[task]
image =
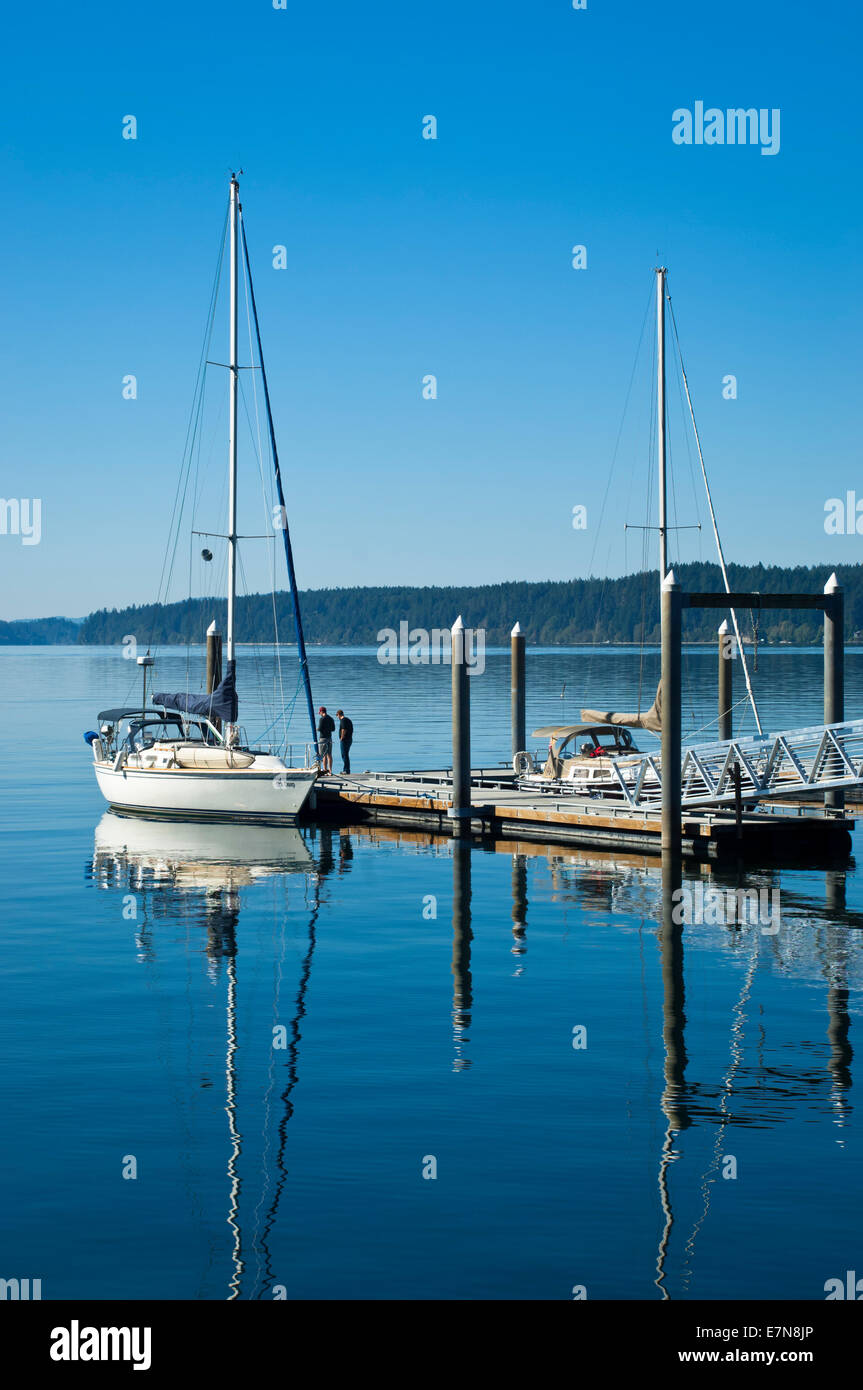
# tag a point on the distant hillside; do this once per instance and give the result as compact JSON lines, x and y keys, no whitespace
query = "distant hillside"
{"x":39,"y":632}
{"x":550,"y":613}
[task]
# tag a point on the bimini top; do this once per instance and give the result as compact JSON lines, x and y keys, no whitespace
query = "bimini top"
{"x":112,"y":716}
{"x":567,"y":730}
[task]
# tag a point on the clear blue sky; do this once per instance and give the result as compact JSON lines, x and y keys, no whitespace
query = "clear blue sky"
{"x":409,"y":257}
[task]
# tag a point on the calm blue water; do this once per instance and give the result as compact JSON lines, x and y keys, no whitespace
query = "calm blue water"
{"x":145,"y":968}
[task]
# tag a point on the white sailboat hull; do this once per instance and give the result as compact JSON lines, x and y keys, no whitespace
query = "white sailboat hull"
{"x":267,"y":791}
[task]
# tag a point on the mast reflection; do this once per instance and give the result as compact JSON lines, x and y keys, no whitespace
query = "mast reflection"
{"x":195,"y":873}
{"x":673,"y":1099}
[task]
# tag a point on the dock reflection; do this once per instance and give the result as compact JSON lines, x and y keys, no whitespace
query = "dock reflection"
{"x":813,"y":939}
{"x":199,"y":877}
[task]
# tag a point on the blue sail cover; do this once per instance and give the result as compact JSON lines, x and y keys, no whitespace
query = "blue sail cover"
{"x":220,"y":704}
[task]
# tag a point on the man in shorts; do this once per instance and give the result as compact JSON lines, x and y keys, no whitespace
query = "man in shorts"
{"x":326,"y":725}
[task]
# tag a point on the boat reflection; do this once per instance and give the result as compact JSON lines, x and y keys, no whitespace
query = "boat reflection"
{"x":197,"y":874}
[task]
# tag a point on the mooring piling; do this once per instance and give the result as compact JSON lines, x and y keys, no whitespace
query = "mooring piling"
{"x":460,"y":808}
{"x":727,"y":652}
{"x":834,"y":668}
{"x":670,"y":626}
{"x":214,"y":657}
{"x":517,"y":650}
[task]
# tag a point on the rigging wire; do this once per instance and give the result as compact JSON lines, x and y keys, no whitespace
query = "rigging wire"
{"x":268,"y":512}
{"x":600,"y":600}
{"x":192,"y":430}
{"x":286,"y":536}
{"x":278,"y":693}
{"x":713,"y":518}
{"x":652,"y":467}
{"x":695,"y":492}
{"x":686,"y":673}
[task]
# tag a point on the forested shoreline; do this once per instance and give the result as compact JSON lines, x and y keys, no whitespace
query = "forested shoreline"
{"x":551,"y":613}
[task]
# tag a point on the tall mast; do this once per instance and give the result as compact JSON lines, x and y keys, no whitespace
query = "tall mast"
{"x":660,"y":415}
{"x":233,"y":365}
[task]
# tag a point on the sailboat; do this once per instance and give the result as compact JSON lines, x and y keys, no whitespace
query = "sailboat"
{"x":602,"y":754}
{"x":184,"y":755}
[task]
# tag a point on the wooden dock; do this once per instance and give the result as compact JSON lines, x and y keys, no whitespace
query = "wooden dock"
{"x":421,"y":799}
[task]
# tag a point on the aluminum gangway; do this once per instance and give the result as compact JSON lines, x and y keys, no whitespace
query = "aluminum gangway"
{"x":791,"y":763}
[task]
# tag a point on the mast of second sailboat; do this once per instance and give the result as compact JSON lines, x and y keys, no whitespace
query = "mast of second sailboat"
{"x":234,"y":370}
{"x":660,"y":417}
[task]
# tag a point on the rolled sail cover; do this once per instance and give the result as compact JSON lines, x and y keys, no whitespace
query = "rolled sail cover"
{"x":221,"y":703}
{"x":651,"y":719}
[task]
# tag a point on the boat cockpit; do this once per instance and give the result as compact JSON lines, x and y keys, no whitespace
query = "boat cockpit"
{"x":137,"y":730}
{"x":572,"y":747}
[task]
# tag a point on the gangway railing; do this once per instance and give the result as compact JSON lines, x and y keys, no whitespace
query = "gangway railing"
{"x":794,"y":761}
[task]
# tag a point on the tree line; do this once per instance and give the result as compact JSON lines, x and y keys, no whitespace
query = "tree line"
{"x":551,"y":613}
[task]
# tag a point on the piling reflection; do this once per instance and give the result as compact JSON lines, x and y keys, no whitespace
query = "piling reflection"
{"x":462,"y":936}
{"x":834,"y":955}
{"x":519,"y":908}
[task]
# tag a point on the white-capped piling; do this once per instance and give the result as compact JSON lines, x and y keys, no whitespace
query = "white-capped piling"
{"x":671,"y":605}
{"x":145,"y":662}
{"x":834,"y":668}
{"x":460,"y":809}
{"x":726,"y":683}
{"x":214,"y":657}
{"x":517,"y":650}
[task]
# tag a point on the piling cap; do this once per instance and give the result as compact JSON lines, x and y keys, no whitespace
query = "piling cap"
{"x":516,"y":632}
{"x":212,"y":629}
{"x":669,"y":582}
{"x":723,"y":628}
{"x":458,"y":625}
{"x":832,"y":586}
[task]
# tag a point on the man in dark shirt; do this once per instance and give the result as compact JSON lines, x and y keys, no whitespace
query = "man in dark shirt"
{"x":346,"y":738}
{"x":326,"y":725}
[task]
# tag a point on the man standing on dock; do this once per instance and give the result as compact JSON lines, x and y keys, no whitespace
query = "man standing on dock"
{"x":326,"y":725}
{"x":346,"y":738}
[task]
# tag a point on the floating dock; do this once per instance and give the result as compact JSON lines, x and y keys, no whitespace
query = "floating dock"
{"x":422,"y":799}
